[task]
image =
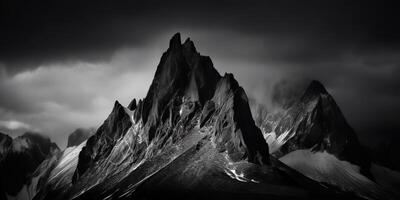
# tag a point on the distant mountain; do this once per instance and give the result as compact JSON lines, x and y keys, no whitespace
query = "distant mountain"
{"x":313,"y":121}
{"x":79,"y":135}
{"x":308,"y":132}
{"x":20,"y":157}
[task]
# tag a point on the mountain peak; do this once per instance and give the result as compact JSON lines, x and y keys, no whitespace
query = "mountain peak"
{"x":188,"y":46}
{"x":132,"y":105}
{"x":175,"y":42}
{"x":315,"y":88}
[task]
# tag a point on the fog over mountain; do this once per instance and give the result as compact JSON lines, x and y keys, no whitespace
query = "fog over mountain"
{"x":62,"y":63}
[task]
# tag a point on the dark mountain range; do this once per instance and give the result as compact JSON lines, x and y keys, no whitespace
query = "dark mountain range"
{"x":193,"y":137}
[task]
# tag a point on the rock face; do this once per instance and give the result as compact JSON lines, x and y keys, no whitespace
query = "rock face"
{"x":313,"y":121}
{"x":186,"y":94}
{"x":79,"y":135}
{"x":20,"y":157}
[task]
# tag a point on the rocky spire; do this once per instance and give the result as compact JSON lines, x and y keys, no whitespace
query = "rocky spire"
{"x":175,"y":42}
{"x":132,"y":105}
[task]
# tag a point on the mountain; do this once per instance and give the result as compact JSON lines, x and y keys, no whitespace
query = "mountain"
{"x":186,"y":92}
{"x":192,"y":125}
{"x":308,"y":132}
{"x":193,"y":136}
{"x":79,"y":135}
{"x":313,"y":121}
{"x":20,"y":157}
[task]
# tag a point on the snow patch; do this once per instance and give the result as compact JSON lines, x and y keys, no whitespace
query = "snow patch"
{"x":232,"y":171}
{"x":275,"y":143}
{"x":68,"y":161}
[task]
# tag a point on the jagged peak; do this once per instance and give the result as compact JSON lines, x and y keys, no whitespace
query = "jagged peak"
{"x":117,"y":105}
{"x":132,"y":105}
{"x":175,"y":42}
{"x":230,"y":79}
{"x":118,"y":111}
{"x":188,"y":45}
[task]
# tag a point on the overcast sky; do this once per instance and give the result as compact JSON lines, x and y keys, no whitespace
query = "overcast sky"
{"x":64,"y":63}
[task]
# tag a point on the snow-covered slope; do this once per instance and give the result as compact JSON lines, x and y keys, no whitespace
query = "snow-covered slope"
{"x":326,"y":168}
{"x":54,"y":173}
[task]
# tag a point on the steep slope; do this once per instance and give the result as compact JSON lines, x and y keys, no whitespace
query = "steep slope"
{"x":55,"y":174}
{"x":20,"y":157}
{"x":326,"y":168}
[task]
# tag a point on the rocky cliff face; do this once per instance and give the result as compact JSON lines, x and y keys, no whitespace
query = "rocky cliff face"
{"x":20,"y":157}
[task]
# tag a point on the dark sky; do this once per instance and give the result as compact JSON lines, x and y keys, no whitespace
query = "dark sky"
{"x":63,"y":63}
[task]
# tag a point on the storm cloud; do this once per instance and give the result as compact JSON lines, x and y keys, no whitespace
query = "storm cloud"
{"x":62,"y":64}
